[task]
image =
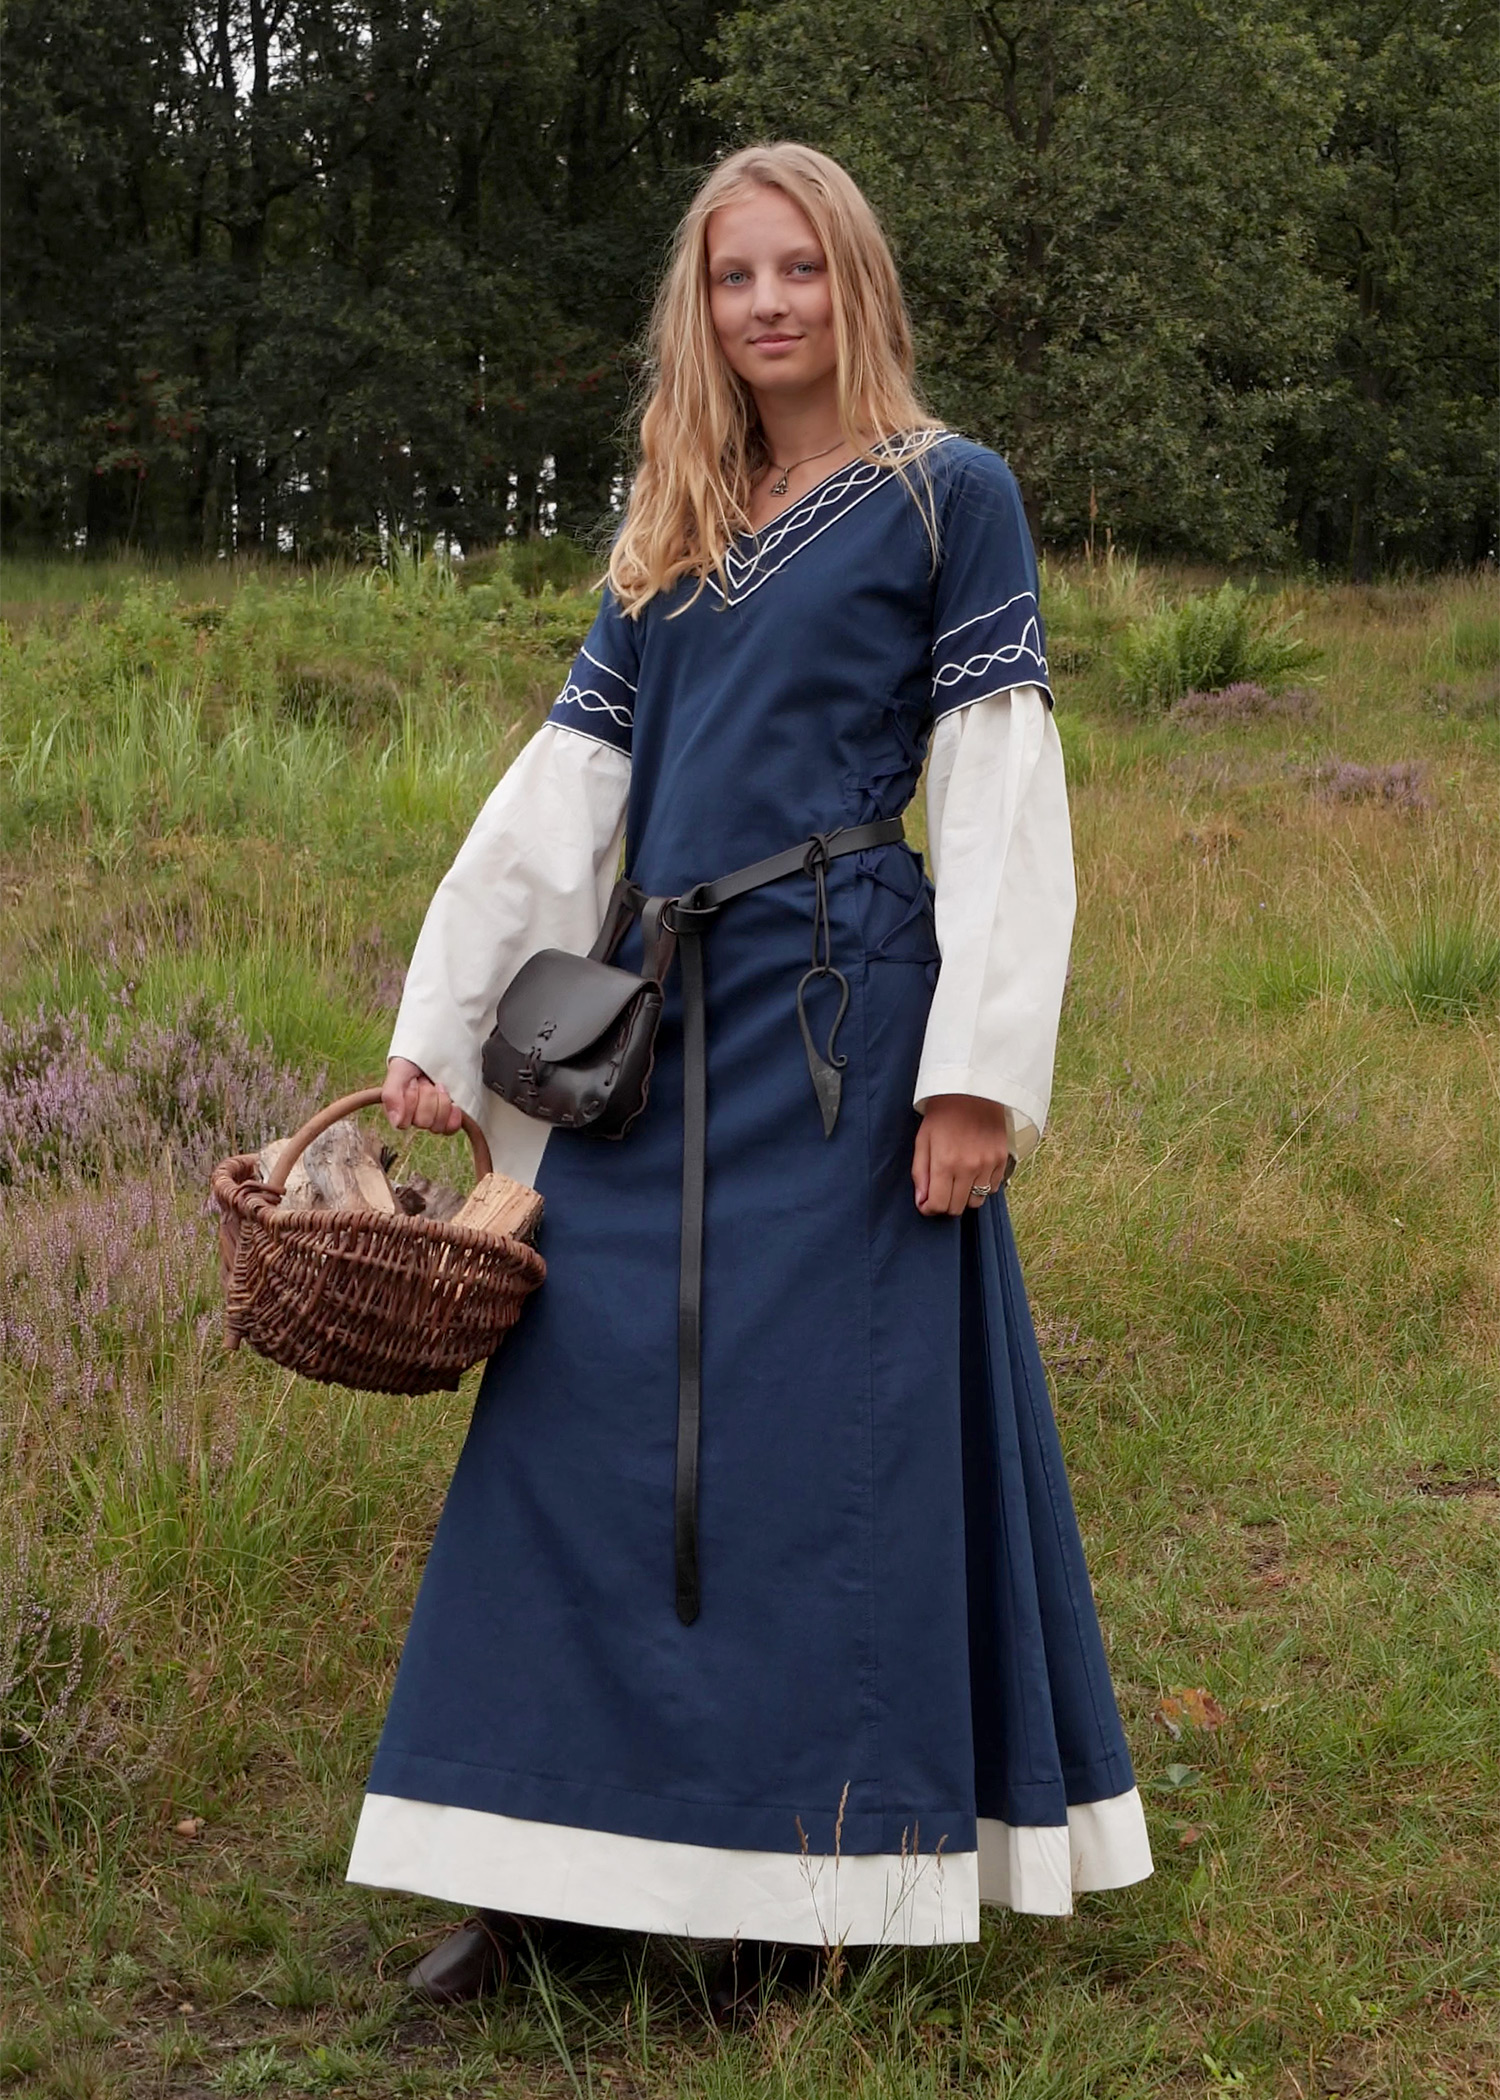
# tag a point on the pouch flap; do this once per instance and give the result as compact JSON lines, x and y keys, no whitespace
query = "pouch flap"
{"x":557,"y":1004}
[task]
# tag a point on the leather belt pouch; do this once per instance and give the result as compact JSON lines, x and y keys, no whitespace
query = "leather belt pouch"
{"x":574,"y":1042}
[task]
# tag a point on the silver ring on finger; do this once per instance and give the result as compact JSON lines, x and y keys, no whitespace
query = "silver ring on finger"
{"x":980,"y":1190}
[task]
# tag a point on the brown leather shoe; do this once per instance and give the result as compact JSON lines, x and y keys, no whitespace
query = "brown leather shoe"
{"x":469,"y":1963}
{"x":751,"y":1970}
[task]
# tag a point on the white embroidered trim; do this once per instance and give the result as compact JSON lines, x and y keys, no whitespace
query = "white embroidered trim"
{"x":592,"y":702}
{"x":993,"y":613}
{"x":1030,"y":645}
{"x":745,"y":573}
{"x":589,"y":700}
{"x":601,"y":665}
{"x":597,"y":1877}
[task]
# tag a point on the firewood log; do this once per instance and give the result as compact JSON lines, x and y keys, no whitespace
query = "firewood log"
{"x":338,"y":1171}
{"x":499,"y":1205}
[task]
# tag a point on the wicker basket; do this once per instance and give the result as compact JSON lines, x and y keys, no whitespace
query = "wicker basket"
{"x":389,"y":1304}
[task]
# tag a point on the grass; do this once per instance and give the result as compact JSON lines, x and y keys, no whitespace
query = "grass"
{"x":1260,"y":1242}
{"x":1447,"y":966}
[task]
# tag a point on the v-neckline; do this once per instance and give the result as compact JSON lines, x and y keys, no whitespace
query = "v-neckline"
{"x":759,"y":531}
{"x":899,"y":442}
{"x":751,"y":558}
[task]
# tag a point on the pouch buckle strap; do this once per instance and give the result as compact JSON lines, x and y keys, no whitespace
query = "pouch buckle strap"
{"x":694,"y":911}
{"x":670,"y":925}
{"x":626,"y":902}
{"x":658,"y":938}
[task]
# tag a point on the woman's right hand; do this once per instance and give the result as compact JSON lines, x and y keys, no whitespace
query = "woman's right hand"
{"x":415,"y":1102}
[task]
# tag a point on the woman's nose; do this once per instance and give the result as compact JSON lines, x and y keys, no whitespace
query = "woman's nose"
{"x":770,"y":297}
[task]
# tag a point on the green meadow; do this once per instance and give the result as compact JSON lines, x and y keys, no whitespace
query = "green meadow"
{"x":1263,"y":1249}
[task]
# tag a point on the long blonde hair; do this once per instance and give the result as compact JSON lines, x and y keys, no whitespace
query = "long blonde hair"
{"x":701,"y":443}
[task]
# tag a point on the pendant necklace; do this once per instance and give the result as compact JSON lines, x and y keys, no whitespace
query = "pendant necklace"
{"x":778,"y":488}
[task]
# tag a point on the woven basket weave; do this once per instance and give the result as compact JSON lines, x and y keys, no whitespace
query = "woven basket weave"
{"x":388,"y":1304}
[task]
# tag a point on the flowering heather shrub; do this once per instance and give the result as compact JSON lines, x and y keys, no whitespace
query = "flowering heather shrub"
{"x":108,"y":1303}
{"x":78,"y":1100}
{"x":61,"y":1107}
{"x":1479,"y":703}
{"x":208,"y":1091}
{"x":58,"y":1661}
{"x":1242,"y":702}
{"x":99,"y":1290}
{"x":105,"y":1293}
{"x":1398,"y":786}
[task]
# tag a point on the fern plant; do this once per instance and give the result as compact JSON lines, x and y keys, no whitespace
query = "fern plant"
{"x":1220,"y":639}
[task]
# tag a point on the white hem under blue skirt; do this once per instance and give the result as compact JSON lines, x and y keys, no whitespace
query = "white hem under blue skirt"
{"x":598,"y":1877}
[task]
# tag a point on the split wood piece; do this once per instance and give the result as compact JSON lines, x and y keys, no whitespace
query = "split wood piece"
{"x":338,"y":1171}
{"x":498,"y":1204}
{"x":372,"y":1185}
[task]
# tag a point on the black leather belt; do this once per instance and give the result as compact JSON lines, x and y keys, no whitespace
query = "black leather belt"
{"x":679,"y":924}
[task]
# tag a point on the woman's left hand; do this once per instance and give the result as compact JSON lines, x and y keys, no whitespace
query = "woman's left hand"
{"x":962,"y":1146}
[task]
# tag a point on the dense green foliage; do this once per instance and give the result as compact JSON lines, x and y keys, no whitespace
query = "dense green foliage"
{"x":1395,"y":457}
{"x":288,"y":274}
{"x":1202,"y":269}
{"x":1103,"y":215}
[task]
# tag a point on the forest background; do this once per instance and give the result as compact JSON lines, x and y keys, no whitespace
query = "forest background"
{"x":313,"y":276}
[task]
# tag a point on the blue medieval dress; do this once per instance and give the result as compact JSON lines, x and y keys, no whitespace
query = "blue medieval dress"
{"x":893,"y":1704}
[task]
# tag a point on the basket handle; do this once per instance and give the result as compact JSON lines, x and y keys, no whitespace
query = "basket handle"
{"x":336,"y":1111}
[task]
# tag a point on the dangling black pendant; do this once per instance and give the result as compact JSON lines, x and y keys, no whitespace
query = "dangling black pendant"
{"x":826,"y":1068}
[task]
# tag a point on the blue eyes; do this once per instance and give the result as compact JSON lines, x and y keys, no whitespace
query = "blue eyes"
{"x":737,"y":277}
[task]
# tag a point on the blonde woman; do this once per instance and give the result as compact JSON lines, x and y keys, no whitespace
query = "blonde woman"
{"x":757,"y":1612}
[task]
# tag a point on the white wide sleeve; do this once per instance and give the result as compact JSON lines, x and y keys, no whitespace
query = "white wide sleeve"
{"x":535,"y":872}
{"x":1002,"y":860}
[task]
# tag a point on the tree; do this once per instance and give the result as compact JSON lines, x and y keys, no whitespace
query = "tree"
{"x":300,"y":275}
{"x":94,"y":402}
{"x":284,"y":274}
{"x":1103,"y":211}
{"x":1394,"y":458}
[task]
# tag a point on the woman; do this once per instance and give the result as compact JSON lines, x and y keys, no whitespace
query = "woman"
{"x":757,"y":1611}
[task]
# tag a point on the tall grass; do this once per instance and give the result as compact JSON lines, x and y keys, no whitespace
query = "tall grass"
{"x":1260,"y":1244}
{"x":1447,"y":966}
{"x":328,"y":714}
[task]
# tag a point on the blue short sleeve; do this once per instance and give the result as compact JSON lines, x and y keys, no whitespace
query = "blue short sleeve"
{"x":987,"y":621}
{"x":598,"y":698}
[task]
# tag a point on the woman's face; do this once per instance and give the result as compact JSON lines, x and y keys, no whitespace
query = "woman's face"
{"x":768,"y":294}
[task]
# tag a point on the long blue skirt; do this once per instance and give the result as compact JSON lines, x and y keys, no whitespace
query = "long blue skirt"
{"x":897,"y":1635}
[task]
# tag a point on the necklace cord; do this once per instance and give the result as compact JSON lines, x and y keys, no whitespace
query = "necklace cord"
{"x":778,"y":487}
